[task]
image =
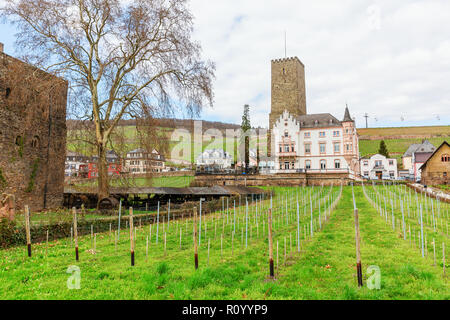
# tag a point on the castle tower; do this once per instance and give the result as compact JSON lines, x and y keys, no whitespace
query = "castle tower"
{"x":288,"y":90}
{"x":351,"y":142}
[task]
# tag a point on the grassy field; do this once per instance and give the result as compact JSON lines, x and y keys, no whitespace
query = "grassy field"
{"x":394,"y":131}
{"x":237,"y":267}
{"x":396,"y":147}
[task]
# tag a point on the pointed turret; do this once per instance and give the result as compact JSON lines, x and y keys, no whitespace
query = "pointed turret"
{"x":347,"y":115}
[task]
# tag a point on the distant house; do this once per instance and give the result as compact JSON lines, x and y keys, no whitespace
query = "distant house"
{"x":73,"y":163}
{"x":415,"y":156}
{"x":140,"y":161}
{"x":252,"y":159}
{"x":379,"y":167}
{"x":90,"y":169}
{"x":214,"y":158}
{"x":436,"y":169}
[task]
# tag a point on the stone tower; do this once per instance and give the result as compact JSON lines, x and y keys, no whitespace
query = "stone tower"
{"x":288,"y":90}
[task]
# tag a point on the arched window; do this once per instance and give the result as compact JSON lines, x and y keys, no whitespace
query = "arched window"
{"x":7,"y":92}
{"x":445,"y":158}
{"x":35,"y":142}
{"x":323,"y":164}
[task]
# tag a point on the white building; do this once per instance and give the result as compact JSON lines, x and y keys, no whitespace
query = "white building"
{"x":139,"y":161}
{"x":316,"y":143}
{"x":73,"y":162}
{"x":215,"y":158}
{"x":379,"y":167}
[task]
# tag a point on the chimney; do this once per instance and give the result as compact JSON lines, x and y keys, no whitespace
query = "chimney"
{"x":1,"y":47}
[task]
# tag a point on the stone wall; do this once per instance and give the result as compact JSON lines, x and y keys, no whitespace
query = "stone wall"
{"x":291,"y":180}
{"x":32,"y":135}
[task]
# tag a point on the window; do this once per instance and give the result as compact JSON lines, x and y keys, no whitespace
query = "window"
{"x":307,"y":134}
{"x":445,"y":174}
{"x":349,"y":146}
{"x":308,"y":164}
{"x":322,"y":147}
{"x":322,"y":134}
{"x":307,"y":148}
{"x":337,"y":147}
{"x":366,"y":173}
{"x":337,"y":164}
{"x":378,"y":163}
{"x":286,"y":165}
{"x":281,"y":148}
{"x":323,"y":164}
{"x":286,"y":148}
{"x":35,"y":143}
{"x":292,"y":148}
{"x":391,"y":162}
{"x":445,"y":158}
{"x":7,"y":93}
{"x":392,"y":174}
{"x":286,"y":134}
{"x":346,"y":130}
{"x":336,"y":133}
{"x":281,"y":166}
{"x":366,"y":163}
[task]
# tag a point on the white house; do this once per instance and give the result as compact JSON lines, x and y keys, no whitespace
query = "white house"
{"x":379,"y":167}
{"x":215,"y":158}
{"x":316,"y":142}
{"x":73,"y":162}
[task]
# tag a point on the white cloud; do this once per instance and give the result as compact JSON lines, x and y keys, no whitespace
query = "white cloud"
{"x":386,"y":58}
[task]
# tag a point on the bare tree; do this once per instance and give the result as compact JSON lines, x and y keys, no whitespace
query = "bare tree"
{"x":123,"y":59}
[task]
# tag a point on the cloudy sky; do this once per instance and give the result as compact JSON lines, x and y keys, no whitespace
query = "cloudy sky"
{"x":390,"y":59}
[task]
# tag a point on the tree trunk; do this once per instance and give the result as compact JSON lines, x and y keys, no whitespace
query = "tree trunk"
{"x":247,"y":153}
{"x":102,"y":165}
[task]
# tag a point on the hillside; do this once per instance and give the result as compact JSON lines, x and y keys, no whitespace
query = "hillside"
{"x":397,"y":139}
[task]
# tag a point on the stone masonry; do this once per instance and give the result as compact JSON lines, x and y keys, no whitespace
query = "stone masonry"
{"x":32,"y":136}
{"x":288,"y":90}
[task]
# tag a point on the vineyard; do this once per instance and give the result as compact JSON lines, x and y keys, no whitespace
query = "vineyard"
{"x":402,"y":234}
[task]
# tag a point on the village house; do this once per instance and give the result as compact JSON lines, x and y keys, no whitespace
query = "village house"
{"x":140,"y":161}
{"x":73,"y":163}
{"x":90,"y":169}
{"x":379,"y":167}
{"x":436,"y":169}
{"x":415,"y":157}
{"x":214,"y":158}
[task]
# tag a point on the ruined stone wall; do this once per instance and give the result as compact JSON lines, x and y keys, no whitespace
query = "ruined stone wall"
{"x":32,"y":136}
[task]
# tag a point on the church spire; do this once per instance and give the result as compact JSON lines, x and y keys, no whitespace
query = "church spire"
{"x":347,"y":115}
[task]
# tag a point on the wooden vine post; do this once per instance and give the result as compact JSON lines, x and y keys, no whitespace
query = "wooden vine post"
{"x":271,"y":269}
{"x":358,"y":242}
{"x":131,"y":236}
{"x":27,"y":227}
{"x":195,"y":239}
{"x":75,"y":233}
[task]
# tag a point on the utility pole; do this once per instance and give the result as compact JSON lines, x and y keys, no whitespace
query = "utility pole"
{"x":366,"y":116}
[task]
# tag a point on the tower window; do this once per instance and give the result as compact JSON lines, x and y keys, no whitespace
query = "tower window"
{"x":7,"y":93}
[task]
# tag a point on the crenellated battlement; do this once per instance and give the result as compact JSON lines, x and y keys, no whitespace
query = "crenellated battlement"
{"x":282,"y":60}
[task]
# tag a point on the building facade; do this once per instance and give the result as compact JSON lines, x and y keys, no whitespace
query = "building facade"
{"x":307,"y":142}
{"x":409,"y":158}
{"x":379,"y":167}
{"x":75,"y":161}
{"x":32,"y":134}
{"x":315,"y":143}
{"x":215,"y":159}
{"x":140,"y":161}
{"x":90,"y":169}
{"x":436,"y":170}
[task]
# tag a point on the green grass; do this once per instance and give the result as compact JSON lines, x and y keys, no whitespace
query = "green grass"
{"x":324,"y":269}
{"x":396,"y":147}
